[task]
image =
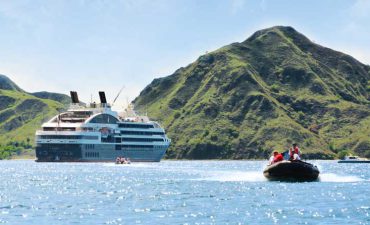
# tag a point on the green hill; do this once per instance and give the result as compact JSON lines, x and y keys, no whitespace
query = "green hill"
{"x":22,"y":113}
{"x":275,"y":88}
{"x":7,"y":84}
{"x":62,"y":98}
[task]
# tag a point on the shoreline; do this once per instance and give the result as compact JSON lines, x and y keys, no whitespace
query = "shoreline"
{"x":166,"y":160}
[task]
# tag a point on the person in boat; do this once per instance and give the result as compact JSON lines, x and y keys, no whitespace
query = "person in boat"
{"x":128,"y":160}
{"x":276,"y":157}
{"x":124,"y":161}
{"x":118,"y":160}
{"x":294,"y":152}
{"x":271,"y":159}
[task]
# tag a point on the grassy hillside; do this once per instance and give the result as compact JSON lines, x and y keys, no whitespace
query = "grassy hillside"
{"x":21,"y":114}
{"x":248,"y":98}
{"x":64,"y":99}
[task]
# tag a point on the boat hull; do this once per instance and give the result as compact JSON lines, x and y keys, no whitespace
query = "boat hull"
{"x":295,"y":171}
{"x":100,"y":153}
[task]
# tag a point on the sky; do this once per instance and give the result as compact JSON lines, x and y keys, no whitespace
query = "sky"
{"x":104,"y":45}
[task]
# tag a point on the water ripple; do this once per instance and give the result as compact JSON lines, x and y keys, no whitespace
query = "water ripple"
{"x":179,"y":192}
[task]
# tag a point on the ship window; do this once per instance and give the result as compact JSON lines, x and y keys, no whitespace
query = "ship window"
{"x":92,"y":154}
{"x":118,"y":147}
{"x":59,"y":136}
{"x":108,"y":139}
{"x":49,"y":128}
{"x":104,"y":118}
{"x":135,"y":125}
{"x":127,"y":132}
{"x":137,"y":146}
{"x":59,"y":147}
{"x":90,"y":137}
{"x":88,"y":129}
{"x":72,"y":117}
{"x":89,"y":146}
{"x":142,"y":139}
{"x":61,"y":129}
{"x":67,"y":137}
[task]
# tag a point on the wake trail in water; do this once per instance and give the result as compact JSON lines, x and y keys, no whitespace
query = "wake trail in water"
{"x":249,"y":176}
{"x":237,"y":176}
{"x":140,"y":165}
{"x":257,"y":176}
{"x":332,"y":177}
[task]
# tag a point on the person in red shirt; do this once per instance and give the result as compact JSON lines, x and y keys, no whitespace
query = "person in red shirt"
{"x":277,"y":157}
{"x":295,"y":152}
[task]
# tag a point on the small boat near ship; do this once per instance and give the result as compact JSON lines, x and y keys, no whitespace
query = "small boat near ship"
{"x":292,"y":170}
{"x":353,"y":159}
{"x":122,"y":160}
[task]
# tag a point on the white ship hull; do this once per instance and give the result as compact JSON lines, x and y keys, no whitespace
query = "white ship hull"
{"x":96,"y":133}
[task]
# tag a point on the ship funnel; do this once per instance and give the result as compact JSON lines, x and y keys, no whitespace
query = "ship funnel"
{"x":74,"y":97}
{"x":102,"y":97}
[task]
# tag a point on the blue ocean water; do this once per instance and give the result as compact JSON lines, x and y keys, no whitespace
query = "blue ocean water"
{"x":179,"y":192}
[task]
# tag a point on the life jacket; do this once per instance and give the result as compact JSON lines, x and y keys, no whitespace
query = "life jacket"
{"x":293,"y":151}
{"x":278,"y":158}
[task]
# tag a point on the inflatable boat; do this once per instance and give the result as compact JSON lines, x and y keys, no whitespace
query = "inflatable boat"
{"x":295,"y":171}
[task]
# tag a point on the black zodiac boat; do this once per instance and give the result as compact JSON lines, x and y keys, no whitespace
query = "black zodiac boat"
{"x":295,"y":171}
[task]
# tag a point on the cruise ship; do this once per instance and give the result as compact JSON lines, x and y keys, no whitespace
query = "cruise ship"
{"x":96,"y":133}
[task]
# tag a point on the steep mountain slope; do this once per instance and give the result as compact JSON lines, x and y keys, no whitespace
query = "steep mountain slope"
{"x":7,"y":84}
{"x":275,"y":88}
{"x":62,"y":98}
{"x":22,"y":113}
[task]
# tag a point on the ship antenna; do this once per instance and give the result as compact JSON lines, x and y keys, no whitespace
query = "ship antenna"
{"x":118,"y":94}
{"x":127,"y":101}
